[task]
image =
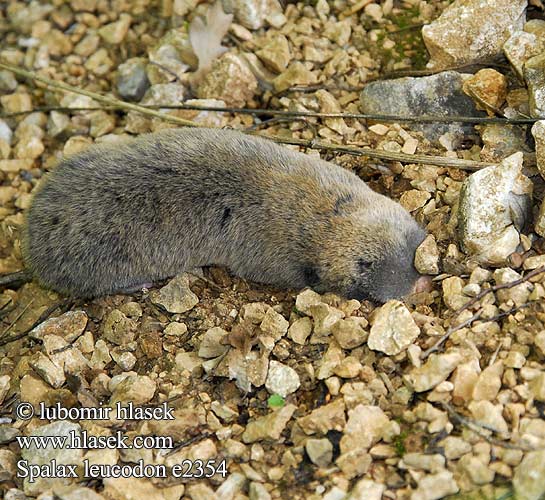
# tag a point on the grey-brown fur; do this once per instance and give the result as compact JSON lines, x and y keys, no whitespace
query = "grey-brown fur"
{"x":117,"y":216}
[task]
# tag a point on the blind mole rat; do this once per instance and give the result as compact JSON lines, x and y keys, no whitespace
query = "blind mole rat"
{"x":116,"y":216}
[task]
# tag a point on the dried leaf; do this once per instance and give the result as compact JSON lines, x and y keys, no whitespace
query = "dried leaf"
{"x":205,"y":36}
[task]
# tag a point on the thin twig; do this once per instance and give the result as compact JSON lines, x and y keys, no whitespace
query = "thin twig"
{"x":478,"y":427}
{"x":383,"y":155}
{"x":495,"y":288}
{"x":19,"y":316}
{"x":357,"y":151}
{"x":468,"y":322}
{"x":294,"y":114}
{"x":446,"y":336}
{"x":97,"y":97}
{"x":41,"y":319}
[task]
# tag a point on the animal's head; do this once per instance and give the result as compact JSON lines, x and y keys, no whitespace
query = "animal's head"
{"x":369,"y":253}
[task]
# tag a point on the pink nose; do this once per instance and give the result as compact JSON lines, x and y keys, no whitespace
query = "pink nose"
{"x":422,"y":284}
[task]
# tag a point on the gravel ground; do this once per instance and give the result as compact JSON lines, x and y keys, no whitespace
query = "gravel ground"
{"x":302,"y":395}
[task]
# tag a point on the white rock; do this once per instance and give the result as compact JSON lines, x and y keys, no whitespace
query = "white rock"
{"x":426,"y":259}
{"x":529,"y":477}
{"x":494,"y":202}
{"x":436,"y":370}
{"x":393,"y":329}
{"x":472,"y":30}
{"x":435,"y":486}
{"x":281,"y":379}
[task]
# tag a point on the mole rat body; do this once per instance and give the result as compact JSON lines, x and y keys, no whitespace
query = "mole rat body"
{"x":117,"y":216}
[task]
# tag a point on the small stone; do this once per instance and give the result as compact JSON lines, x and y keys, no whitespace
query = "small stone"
{"x":211,"y":346}
{"x":487,"y":413}
{"x":132,"y":81}
{"x":434,"y":371}
{"x":426,"y":259}
{"x":16,"y":103}
{"x":452,"y":293}
{"x":435,"y":486}
{"x":479,"y":472}
{"x":535,"y":79}
{"x":254,"y":312}
{"x":520,"y":47}
{"x":57,"y":123}
{"x":99,"y":62}
{"x":29,"y":147}
{"x":15,"y":166}
{"x":119,"y":329}
{"x":176,"y":296}
{"x":537,"y":387}
{"x":69,"y":326}
{"x":232,"y":487}
{"x":8,"y":82}
{"x":324,"y":317}
{"x":125,"y":360}
{"x":102,"y":123}
{"x":101,"y":355}
{"x":454,"y":447}
{"x":230,"y":80}
{"x":324,"y":418}
{"x":320,"y":451}
{"x":489,"y":382}
{"x":365,"y":426}
{"x":365,"y":489}
{"x":350,"y":332}
{"x":534,"y":262}
{"x":349,"y":367}
{"x":518,"y":294}
{"x":332,"y":357}
{"x":393,"y":329}
{"x":274,"y":324}
{"x":300,"y":330}
{"x":4,"y":386}
{"x":432,"y":463}
{"x":87,"y":46}
{"x":540,"y":220}
{"x":488,"y":88}
{"x":471,"y":290}
{"x":413,"y":199}
{"x":114,"y":33}
{"x":257,"y":491}
{"x":329,"y":104}
{"x":281,"y":379}
{"x":138,"y":389}
{"x":529,"y":476}
{"x":49,"y":371}
{"x":515,"y":360}
{"x":76,"y":493}
{"x":251,"y":13}
{"x":494,"y":202}
{"x":188,"y":361}
{"x":295,"y":74}
{"x":472,"y":30}
{"x":268,"y":427}
{"x":5,"y":133}
{"x":339,"y":32}
{"x":275,"y":54}
{"x":138,"y":488}
{"x":71,"y":360}
{"x":306,"y":299}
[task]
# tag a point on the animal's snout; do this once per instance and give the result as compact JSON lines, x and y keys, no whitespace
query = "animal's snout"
{"x":422,"y":284}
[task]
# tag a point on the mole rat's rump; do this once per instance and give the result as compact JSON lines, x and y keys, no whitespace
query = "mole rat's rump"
{"x":117,"y":216}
